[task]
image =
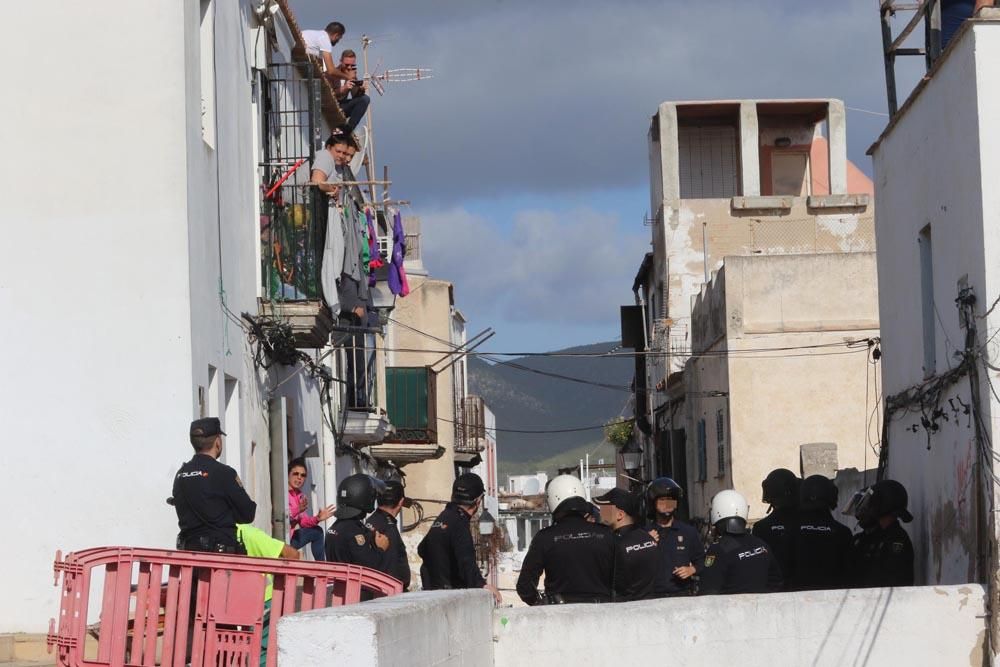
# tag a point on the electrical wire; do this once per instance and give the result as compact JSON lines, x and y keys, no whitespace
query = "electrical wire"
{"x":539,"y":431}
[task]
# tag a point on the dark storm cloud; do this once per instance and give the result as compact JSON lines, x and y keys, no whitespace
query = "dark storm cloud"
{"x":556,"y":96}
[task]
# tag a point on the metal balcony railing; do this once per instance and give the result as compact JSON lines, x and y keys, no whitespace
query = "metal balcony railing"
{"x":471,"y":429}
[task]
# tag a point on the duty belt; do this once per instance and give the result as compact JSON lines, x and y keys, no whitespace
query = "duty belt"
{"x":564,"y":598}
{"x":209,"y":545}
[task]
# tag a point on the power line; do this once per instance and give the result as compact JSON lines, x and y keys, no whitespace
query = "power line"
{"x":540,"y":431}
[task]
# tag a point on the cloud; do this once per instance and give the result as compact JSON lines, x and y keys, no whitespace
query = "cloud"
{"x":556,"y":96}
{"x":569,"y":267}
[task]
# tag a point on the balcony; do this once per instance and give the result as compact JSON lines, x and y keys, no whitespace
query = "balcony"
{"x":293,"y":216}
{"x":411,"y":395}
{"x":470,"y":431}
{"x":366,"y":422}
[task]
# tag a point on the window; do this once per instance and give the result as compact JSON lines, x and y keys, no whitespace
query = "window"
{"x":927,"y":300}
{"x":790,"y":174}
{"x":720,"y":440}
{"x":708,"y":161}
{"x":233,"y":421}
{"x":702,"y":453}
{"x":206,"y":56}
{"x":411,"y":395}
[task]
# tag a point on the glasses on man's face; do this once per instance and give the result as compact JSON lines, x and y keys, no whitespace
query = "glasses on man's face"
{"x":350,"y":66}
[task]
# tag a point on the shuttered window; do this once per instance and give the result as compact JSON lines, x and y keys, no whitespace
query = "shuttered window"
{"x":411,"y":398}
{"x":709,"y":161}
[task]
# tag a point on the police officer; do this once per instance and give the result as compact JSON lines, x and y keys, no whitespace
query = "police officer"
{"x":390,"y":503}
{"x":738,"y":562}
{"x":882,"y":554}
{"x":681,"y":552}
{"x":208,"y":496}
{"x":575,"y":554}
{"x":637,"y":560}
{"x":447,"y":549}
{"x":779,"y":527}
{"x":350,"y":540}
{"x":821,"y":543}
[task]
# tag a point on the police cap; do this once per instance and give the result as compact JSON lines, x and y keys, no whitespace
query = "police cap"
{"x":207,"y":426}
{"x":393,"y":493}
{"x":622,"y":499}
{"x":467,"y":489}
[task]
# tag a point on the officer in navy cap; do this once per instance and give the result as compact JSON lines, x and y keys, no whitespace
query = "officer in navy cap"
{"x":391,"y":502}
{"x":208,"y":496}
{"x":447,"y":549}
{"x":637,"y":560}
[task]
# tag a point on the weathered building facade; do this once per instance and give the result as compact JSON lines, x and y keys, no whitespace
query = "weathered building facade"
{"x":937,"y":168}
{"x":744,"y":178}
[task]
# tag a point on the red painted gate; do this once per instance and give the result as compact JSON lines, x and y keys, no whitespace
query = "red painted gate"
{"x":174,"y":608}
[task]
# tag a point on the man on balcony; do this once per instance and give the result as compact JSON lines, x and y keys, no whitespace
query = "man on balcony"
{"x":351,"y":92}
{"x":319,"y":45}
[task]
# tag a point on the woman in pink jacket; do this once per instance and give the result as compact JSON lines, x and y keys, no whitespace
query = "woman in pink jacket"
{"x":306,"y":529}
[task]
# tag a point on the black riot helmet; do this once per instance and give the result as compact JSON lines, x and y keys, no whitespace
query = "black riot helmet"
{"x":781,"y":488}
{"x":662,"y":487}
{"x":467,"y":489}
{"x":356,"y":496}
{"x":890,"y":497}
{"x":818,"y":493}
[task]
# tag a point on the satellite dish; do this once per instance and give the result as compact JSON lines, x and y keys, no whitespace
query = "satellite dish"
{"x":361,"y":135}
{"x":532,"y":487}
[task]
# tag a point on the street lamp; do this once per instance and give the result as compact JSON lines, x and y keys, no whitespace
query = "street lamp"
{"x":486,"y":523}
{"x":631,"y":456}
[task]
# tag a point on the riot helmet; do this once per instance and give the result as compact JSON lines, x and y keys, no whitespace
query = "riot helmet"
{"x":730,"y":512}
{"x":564,"y":488}
{"x":781,"y":488}
{"x":356,"y":496}
{"x":818,"y":493}
{"x":662,"y":487}
{"x":889,"y":497}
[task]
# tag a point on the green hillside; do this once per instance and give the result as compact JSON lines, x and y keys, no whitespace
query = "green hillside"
{"x":525,"y":395}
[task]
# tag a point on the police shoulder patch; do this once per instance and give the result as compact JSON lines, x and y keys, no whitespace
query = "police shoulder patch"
{"x":360,"y":539}
{"x":709,"y":561}
{"x":897,"y":547}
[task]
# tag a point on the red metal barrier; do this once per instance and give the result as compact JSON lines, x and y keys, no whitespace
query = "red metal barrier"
{"x":174,"y":608}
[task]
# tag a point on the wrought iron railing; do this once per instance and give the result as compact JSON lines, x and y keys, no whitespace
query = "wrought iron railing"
{"x":472,"y":425}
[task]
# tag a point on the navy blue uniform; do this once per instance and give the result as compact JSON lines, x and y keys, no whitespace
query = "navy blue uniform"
{"x":449,"y":554}
{"x":679,"y":545}
{"x":821,"y":547}
{"x":637,"y":564}
{"x":210,"y":501}
{"x":385,"y":523}
{"x":740,"y":564}
{"x":352,"y":541}
{"x":881,"y":558}
{"x":577,"y":557}
{"x":779,"y":529}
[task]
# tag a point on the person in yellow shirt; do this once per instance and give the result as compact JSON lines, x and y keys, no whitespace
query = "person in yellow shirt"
{"x":261,"y":545}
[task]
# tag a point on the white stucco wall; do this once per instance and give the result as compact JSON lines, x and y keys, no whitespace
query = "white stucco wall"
{"x":115,"y":255}
{"x":870,"y":627}
{"x":938,"y":165}
{"x":860,"y":627}
{"x":452,"y":628}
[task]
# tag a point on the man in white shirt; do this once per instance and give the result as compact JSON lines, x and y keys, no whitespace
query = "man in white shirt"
{"x":320,"y":43}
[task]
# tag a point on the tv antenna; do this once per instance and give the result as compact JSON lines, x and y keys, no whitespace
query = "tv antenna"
{"x":379,"y":81}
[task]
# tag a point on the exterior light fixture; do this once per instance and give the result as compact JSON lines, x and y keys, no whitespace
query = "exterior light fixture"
{"x":632,"y":456}
{"x":486,"y":523}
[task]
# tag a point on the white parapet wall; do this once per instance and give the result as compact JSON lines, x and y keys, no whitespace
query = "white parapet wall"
{"x":939,"y":625}
{"x":452,"y":628}
{"x":932,"y":625}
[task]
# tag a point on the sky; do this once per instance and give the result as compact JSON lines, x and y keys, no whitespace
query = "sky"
{"x":525,"y":155}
